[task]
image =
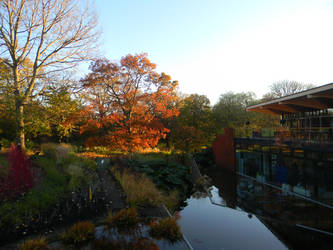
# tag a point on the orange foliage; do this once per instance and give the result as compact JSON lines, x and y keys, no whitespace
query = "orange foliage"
{"x":127,"y":102}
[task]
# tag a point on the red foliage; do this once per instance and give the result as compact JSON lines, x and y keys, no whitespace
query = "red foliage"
{"x":20,"y":178}
{"x":127,"y":102}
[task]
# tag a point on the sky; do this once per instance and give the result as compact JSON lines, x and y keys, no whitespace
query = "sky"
{"x":215,"y":46}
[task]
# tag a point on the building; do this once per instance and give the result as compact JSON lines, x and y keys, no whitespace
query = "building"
{"x":297,"y":157}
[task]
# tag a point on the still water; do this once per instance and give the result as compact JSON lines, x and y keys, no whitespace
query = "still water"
{"x":239,"y":212}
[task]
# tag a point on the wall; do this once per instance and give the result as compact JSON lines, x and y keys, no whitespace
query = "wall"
{"x":224,"y":150}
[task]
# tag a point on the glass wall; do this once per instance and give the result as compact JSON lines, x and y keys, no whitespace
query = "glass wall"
{"x":308,"y":174}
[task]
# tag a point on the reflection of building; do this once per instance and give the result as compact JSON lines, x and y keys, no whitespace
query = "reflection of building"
{"x":298,"y":156}
{"x":298,"y":223}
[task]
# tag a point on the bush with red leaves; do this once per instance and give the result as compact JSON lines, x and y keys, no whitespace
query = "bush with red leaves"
{"x":20,"y":178}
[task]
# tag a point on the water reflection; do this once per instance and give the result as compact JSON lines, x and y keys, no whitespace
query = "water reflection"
{"x":245,"y":214}
{"x":209,"y":226}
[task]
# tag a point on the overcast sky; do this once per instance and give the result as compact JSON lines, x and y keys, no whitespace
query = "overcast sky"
{"x":215,"y":46}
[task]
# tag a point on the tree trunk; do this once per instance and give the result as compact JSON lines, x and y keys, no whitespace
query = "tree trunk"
{"x":20,"y":140}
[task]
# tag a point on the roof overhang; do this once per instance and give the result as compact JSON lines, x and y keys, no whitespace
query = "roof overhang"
{"x":309,"y":100}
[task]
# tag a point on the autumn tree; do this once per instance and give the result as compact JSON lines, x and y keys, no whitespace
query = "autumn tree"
{"x":38,"y":37}
{"x":126,"y":102}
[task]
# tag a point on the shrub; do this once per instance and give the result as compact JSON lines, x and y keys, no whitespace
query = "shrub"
{"x":49,"y":150}
{"x":167,"y":175}
{"x":79,"y":233}
{"x":5,"y":143}
{"x":36,"y":244}
{"x":19,"y":178}
{"x":166,"y":228}
{"x":124,"y":220}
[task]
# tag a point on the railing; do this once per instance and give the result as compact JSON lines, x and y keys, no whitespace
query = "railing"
{"x":323,"y":135}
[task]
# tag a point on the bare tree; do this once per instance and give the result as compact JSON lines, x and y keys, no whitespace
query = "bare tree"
{"x":38,"y":37}
{"x":286,"y":87}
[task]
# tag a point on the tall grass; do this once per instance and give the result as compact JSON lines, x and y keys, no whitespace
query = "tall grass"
{"x":79,"y":233}
{"x":141,"y":191}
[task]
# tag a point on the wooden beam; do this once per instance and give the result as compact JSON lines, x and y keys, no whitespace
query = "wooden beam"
{"x":312,"y":103}
{"x":283,"y":108}
{"x":265,"y":111}
{"x":327,"y":95}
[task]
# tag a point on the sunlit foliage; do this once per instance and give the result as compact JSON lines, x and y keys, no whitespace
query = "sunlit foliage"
{"x":126,"y":101}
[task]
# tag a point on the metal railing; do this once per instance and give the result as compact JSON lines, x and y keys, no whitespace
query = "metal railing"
{"x":322,"y":135}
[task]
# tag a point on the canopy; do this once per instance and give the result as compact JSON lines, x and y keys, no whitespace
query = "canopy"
{"x":309,"y":100}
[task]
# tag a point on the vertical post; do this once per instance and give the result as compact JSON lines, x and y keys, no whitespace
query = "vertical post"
{"x":224,"y":150}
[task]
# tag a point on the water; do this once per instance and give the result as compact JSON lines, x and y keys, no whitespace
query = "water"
{"x":241,"y":213}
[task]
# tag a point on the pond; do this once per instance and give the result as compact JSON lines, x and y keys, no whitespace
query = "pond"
{"x":241,"y":213}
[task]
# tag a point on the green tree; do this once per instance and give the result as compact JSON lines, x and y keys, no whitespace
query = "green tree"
{"x":62,"y":112}
{"x":194,"y":128}
{"x":230,"y":112}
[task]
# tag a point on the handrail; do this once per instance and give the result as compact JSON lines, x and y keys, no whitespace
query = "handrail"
{"x":322,"y":134}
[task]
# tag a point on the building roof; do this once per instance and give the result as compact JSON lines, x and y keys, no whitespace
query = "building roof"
{"x":309,"y":100}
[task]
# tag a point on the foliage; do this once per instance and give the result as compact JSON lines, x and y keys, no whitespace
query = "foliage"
{"x":36,"y":121}
{"x":79,"y":233}
{"x":230,"y":110}
{"x":205,"y":158}
{"x":62,"y":111}
{"x":124,"y":220}
{"x":5,"y":143}
{"x":127,"y":102}
{"x":166,"y":228}
{"x":35,"y":244}
{"x":187,"y":139}
{"x":19,"y":178}
{"x":139,"y":189}
{"x":194,"y":128}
